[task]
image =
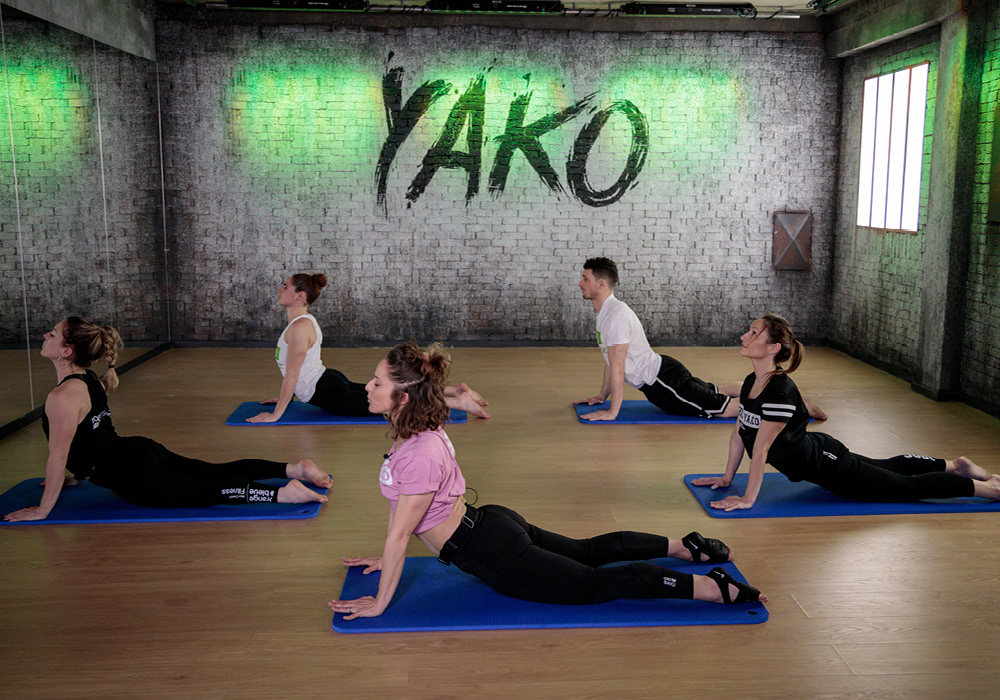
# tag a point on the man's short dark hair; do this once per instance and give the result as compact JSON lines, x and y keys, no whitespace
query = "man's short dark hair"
{"x":603,"y":268}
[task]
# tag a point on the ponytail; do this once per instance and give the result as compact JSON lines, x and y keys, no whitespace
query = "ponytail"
{"x":779,"y":330}
{"x":90,"y":343}
{"x":420,"y":375}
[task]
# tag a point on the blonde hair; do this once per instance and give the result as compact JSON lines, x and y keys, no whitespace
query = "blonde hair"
{"x":90,"y":343}
{"x":420,"y":375}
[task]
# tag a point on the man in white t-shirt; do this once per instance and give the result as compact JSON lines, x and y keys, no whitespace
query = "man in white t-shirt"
{"x":629,"y":359}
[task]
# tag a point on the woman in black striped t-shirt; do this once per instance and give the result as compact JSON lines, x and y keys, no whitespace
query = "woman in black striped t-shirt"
{"x":772,"y":430}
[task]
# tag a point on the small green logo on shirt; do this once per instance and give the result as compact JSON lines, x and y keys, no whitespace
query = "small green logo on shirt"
{"x":598,"y":337}
{"x":277,"y":353}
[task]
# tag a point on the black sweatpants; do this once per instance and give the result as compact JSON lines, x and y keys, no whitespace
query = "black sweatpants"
{"x":899,"y":479}
{"x":337,"y":394}
{"x":523,"y":561}
{"x":146,"y":473}
{"x":678,"y":393}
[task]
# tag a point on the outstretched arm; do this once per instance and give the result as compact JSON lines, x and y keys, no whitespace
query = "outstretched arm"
{"x":409,"y":512}
{"x":65,"y":406}
{"x":614,"y":383}
{"x":298,"y":338}
{"x":768,"y":432}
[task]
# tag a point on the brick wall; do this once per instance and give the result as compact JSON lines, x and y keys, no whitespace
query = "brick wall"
{"x":878,"y":275}
{"x":273,"y":137}
{"x":73,"y":262}
{"x":980,"y":376}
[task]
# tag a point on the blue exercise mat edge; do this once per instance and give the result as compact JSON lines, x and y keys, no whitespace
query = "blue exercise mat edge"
{"x":302,"y":413}
{"x":432,"y":597}
{"x":90,"y":502}
{"x":781,"y":498}
{"x":640,"y":412}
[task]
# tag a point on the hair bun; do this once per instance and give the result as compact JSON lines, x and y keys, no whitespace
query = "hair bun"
{"x":319,"y":279}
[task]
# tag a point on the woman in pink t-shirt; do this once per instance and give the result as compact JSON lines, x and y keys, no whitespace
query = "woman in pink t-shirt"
{"x":425,"y":488}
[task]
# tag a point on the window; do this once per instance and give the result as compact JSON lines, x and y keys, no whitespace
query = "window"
{"x":892,"y":149}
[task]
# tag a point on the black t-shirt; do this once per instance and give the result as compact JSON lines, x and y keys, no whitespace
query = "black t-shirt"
{"x":794,"y":453}
{"x":94,"y":434}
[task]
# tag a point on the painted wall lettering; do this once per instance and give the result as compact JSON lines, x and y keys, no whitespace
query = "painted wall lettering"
{"x":576,"y":166}
{"x":468,"y":114}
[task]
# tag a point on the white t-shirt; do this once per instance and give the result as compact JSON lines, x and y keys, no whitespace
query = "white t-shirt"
{"x":312,"y":367}
{"x":617,"y":324}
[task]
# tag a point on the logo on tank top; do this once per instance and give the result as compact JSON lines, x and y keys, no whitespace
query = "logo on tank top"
{"x":598,"y":337}
{"x":750,"y":420}
{"x":384,"y":475}
{"x":96,"y":420}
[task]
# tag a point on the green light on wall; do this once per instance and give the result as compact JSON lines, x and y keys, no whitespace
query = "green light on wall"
{"x":304,"y":118}
{"x":49,"y":108}
{"x":693,"y":113}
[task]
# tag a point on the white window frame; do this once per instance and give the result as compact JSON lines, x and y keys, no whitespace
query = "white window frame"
{"x":892,"y":149}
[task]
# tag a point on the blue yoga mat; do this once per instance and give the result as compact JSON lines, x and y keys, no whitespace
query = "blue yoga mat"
{"x":86,"y":503}
{"x":781,"y":498}
{"x":432,"y":597}
{"x":302,"y":413}
{"x":641,"y":413}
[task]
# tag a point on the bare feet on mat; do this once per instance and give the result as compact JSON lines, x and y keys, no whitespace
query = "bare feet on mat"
{"x":464,"y":388}
{"x":989,"y":489}
{"x":963,"y":466}
{"x":307,"y":470}
{"x":814,"y":410}
{"x":297,"y":492}
{"x":465,"y":402}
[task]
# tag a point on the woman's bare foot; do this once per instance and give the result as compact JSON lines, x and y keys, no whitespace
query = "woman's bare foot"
{"x":464,"y":388}
{"x":297,"y":492}
{"x":307,"y":470}
{"x":989,"y":489}
{"x":963,"y":466}
{"x":465,"y":402}
{"x":814,"y":410}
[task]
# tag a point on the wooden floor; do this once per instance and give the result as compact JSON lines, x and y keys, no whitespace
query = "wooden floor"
{"x":861,"y":607}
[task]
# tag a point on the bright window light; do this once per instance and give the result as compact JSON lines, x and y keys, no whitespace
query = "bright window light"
{"x":892,"y":146}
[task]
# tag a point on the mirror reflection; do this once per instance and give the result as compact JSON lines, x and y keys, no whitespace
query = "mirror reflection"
{"x":80,"y":200}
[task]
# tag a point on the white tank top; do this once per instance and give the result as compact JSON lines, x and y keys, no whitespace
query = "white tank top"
{"x":312,"y":367}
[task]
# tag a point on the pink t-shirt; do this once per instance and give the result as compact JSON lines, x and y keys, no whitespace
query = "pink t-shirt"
{"x":423,"y":463}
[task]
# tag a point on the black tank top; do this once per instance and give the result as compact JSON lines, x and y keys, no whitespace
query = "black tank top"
{"x":94,"y":434}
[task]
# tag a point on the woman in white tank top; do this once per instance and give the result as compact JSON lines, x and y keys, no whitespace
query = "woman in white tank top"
{"x":298,"y":358}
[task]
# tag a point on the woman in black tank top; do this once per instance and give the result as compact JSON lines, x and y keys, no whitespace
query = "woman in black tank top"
{"x":82,"y":439}
{"x":772,"y":429}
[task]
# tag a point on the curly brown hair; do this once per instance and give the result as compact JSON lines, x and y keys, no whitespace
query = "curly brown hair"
{"x":420,"y":375}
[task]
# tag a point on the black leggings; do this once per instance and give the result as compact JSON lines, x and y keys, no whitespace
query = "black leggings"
{"x":337,"y":394}
{"x":900,"y":479}
{"x":146,"y":473}
{"x":523,"y":561}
